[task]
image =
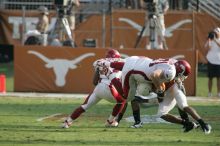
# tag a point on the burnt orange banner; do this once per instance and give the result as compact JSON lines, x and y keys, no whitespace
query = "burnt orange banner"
{"x":184,"y":30}
{"x":128,"y":26}
{"x":70,"y":70}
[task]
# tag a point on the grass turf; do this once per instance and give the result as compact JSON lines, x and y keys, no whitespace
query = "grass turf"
{"x":19,"y":125}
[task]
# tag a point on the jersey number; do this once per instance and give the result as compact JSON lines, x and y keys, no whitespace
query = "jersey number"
{"x":158,"y":61}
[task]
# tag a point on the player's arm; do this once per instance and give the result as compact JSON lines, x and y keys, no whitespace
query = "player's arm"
{"x":117,"y":84}
{"x":96,"y":77}
{"x":117,"y":65}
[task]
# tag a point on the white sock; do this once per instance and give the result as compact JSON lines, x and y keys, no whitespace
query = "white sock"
{"x":69,"y":119}
{"x":111,"y":118}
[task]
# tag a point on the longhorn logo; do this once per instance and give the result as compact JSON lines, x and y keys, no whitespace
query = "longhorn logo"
{"x":61,"y":66}
{"x":168,"y":32}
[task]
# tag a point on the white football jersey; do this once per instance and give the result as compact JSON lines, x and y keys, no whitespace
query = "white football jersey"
{"x":137,"y":66}
{"x":146,"y":66}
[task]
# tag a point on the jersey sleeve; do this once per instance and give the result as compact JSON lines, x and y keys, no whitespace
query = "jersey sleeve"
{"x":117,"y":65}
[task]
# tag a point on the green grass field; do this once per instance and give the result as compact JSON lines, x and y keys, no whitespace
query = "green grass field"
{"x":19,"y":125}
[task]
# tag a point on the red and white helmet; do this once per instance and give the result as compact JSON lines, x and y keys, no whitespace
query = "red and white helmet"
{"x":183,"y":68}
{"x":112,"y":53}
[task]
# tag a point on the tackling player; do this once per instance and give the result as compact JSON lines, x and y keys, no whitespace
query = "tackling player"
{"x":142,"y":70}
{"x":157,"y":72}
{"x":108,"y":87}
{"x":175,"y":94}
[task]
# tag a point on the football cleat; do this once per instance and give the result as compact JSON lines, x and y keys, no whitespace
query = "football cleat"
{"x":111,"y":123}
{"x":66,"y":124}
{"x":137,"y":125}
{"x":206,"y":128}
{"x":188,"y":126}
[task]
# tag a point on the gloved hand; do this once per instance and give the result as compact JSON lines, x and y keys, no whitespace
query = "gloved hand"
{"x":160,"y":93}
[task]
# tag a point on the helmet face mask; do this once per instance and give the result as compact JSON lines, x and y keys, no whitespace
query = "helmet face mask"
{"x":112,"y":53}
{"x":180,"y":77}
{"x":183,"y":69}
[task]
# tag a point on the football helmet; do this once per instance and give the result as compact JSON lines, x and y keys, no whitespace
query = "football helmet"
{"x":183,"y":68}
{"x":112,"y":53}
{"x":169,"y":73}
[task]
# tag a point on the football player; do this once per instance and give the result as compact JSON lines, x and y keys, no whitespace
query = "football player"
{"x":157,"y":72}
{"x":108,"y":87}
{"x":138,"y":71}
{"x":142,"y":70}
{"x":175,"y":94}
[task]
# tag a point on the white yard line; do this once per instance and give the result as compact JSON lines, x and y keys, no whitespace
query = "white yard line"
{"x":47,"y":117}
{"x":196,"y":98}
{"x":38,"y":95}
{"x":147,"y":119}
{"x":78,"y":95}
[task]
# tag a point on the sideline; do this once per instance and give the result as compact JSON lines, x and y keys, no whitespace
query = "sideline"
{"x":42,"y":95}
{"x":78,"y":95}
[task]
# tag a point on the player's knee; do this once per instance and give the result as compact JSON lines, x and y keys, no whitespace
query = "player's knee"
{"x":84,"y":107}
{"x":188,"y":109}
{"x":161,"y":114}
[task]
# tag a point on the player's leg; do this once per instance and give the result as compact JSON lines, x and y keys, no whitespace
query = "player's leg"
{"x":143,"y":89}
{"x":210,"y":75}
{"x":210,"y":86}
{"x":182,"y":113}
{"x":166,"y":105}
{"x":182,"y":104}
{"x":135,"y":105}
{"x":130,"y":88}
{"x":118,"y":85}
{"x":117,"y":114}
{"x":184,"y":120}
{"x":90,"y":101}
{"x":121,"y":114}
{"x":218,"y":86}
{"x":119,"y":106}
